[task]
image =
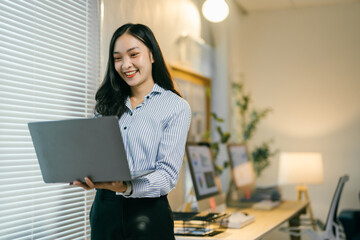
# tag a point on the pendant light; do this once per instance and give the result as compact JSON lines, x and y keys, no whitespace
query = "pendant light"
{"x":215,"y":10}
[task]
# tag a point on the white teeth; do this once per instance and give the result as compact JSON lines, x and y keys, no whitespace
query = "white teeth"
{"x":130,"y":73}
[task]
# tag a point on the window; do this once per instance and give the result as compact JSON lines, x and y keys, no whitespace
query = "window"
{"x":49,"y":60}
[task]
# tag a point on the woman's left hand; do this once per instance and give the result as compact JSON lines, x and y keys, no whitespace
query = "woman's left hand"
{"x":118,"y":186}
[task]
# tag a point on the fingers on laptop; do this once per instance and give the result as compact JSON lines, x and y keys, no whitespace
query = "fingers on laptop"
{"x":87,"y":185}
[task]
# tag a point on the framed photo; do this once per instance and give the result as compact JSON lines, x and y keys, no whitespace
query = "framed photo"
{"x":196,"y":90}
{"x":241,"y":167}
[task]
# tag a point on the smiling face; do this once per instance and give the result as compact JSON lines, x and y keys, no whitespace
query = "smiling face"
{"x":133,"y":61}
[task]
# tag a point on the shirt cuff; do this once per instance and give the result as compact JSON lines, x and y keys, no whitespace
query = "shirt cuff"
{"x":128,"y":191}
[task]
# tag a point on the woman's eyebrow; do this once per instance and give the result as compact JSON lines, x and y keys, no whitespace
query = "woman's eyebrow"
{"x":129,"y":50}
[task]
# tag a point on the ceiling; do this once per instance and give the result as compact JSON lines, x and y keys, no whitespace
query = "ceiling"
{"x":268,"y":5}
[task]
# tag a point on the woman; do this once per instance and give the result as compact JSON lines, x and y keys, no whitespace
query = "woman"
{"x":154,"y":121}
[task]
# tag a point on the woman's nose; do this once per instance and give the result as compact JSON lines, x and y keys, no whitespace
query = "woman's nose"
{"x":126,"y":62}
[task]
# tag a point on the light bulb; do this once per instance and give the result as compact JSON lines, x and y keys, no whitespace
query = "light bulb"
{"x":215,"y":10}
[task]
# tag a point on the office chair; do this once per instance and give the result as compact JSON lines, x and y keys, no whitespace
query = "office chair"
{"x":332,"y":230}
{"x":350,"y":219}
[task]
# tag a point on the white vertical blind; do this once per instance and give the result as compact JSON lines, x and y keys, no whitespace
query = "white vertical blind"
{"x":49,"y":60}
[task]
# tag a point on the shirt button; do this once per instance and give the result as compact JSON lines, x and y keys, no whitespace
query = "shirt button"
{"x":147,"y":97}
{"x":131,"y":114}
{"x":125,"y":128}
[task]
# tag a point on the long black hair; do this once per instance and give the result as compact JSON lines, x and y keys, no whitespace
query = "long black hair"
{"x":113,"y":92}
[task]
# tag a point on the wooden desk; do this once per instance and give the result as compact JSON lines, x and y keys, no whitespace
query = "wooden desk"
{"x":265,"y":222}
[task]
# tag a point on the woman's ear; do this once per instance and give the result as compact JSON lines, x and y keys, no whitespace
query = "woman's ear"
{"x":151,"y":58}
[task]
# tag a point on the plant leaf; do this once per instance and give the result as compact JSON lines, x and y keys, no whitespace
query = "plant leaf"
{"x":225,"y":137}
{"x":216,"y":118}
{"x":207,"y":136}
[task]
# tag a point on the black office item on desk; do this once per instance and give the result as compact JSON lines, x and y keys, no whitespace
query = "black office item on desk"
{"x":199,"y":216}
{"x":183,"y":216}
{"x":263,"y":193}
{"x":256,"y":195}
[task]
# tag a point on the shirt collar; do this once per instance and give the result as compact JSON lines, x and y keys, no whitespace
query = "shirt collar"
{"x":155,"y":90}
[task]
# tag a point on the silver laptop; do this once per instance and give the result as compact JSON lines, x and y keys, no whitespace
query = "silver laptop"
{"x":69,"y":150}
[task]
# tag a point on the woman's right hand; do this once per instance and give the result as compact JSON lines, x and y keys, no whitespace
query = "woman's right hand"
{"x":87,"y":185}
{"x":112,"y":186}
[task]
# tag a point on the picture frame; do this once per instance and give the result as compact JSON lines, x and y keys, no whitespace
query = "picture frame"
{"x":196,"y":90}
{"x":242,"y":169}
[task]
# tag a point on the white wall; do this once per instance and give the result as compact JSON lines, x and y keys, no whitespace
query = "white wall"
{"x":219,"y":99}
{"x":305,"y":65}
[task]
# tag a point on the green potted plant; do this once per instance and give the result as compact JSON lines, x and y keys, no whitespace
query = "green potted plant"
{"x":249,"y":120}
{"x":224,"y":137}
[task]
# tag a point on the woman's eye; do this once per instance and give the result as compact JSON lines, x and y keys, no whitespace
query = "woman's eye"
{"x":116,"y":59}
{"x":134,"y":54}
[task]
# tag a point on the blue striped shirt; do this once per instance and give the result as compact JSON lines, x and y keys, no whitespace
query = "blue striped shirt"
{"x":154,"y":135}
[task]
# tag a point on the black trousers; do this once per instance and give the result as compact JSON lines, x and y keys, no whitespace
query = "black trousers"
{"x":114,"y":217}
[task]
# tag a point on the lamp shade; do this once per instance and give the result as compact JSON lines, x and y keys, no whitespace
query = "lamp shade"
{"x":300,"y":168}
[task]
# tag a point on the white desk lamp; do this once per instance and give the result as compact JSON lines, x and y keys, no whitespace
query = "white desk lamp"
{"x":301,"y":169}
